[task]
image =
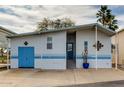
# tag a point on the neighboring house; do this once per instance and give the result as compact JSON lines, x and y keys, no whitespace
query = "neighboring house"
{"x":119,"y":40}
{"x":3,"y":34}
{"x":62,"y":48}
{"x":3,"y":39}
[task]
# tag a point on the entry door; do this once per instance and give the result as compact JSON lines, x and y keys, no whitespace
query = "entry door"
{"x":69,"y":50}
{"x":26,"y":57}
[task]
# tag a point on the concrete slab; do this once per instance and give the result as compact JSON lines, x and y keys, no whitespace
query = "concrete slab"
{"x":31,"y":77}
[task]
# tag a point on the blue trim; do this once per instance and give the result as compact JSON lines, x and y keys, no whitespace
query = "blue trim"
{"x":93,"y":57}
{"x":14,"y":57}
{"x":37,"y":57}
{"x":63,"y":57}
{"x":53,"y":57}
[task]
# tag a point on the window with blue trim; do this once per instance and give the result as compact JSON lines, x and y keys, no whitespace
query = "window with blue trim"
{"x":49,"y":42}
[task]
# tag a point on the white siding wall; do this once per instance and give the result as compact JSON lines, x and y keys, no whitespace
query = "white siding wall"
{"x":39,"y":43}
{"x":58,"y":50}
{"x":56,"y":57}
{"x":105,"y":51}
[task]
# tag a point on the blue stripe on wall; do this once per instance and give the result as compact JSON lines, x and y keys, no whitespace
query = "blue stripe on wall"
{"x":63,"y":57}
{"x":37,"y":57}
{"x":98,"y":57}
{"x":53,"y":57}
{"x":95,"y":57}
{"x":16,"y":57}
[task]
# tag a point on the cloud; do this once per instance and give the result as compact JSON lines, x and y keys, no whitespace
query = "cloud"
{"x":120,"y":19}
{"x":24,"y":18}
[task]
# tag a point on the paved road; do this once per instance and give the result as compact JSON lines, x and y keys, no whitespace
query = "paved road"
{"x":119,"y":83}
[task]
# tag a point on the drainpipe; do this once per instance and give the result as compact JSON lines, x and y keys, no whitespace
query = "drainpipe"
{"x":96,"y":45}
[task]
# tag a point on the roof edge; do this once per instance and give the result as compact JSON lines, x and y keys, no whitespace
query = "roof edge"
{"x":5,"y":29}
{"x":56,"y":30}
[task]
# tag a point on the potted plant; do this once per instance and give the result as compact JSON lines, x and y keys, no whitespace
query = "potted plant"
{"x":85,"y":56}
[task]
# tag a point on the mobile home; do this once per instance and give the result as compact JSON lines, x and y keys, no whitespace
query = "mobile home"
{"x":62,"y":48}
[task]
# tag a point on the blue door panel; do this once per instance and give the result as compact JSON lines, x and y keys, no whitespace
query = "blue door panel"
{"x":26,"y":57}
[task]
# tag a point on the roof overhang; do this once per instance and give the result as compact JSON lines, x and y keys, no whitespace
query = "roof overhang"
{"x":106,"y":30}
{"x":76,"y":28}
{"x":4,"y":30}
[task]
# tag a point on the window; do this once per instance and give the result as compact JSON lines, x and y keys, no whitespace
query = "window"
{"x":49,"y":42}
{"x":85,"y":44}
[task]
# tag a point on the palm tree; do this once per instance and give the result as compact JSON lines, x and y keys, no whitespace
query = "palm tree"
{"x":112,"y":22}
{"x":101,"y":15}
{"x":113,"y":25}
{"x":106,"y":18}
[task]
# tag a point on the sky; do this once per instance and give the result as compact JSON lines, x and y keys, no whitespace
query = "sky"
{"x":24,"y":18}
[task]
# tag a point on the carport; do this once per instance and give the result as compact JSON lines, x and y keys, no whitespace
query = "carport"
{"x":4,"y":46}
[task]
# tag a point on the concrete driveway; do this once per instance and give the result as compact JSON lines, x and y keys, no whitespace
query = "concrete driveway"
{"x":30,"y":77}
{"x":118,"y":83}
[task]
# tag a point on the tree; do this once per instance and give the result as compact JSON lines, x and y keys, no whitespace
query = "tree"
{"x":67,"y":22}
{"x":101,"y":15}
{"x":57,"y":23}
{"x":46,"y":24}
{"x":106,"y":18}
{"x":43,"y":25}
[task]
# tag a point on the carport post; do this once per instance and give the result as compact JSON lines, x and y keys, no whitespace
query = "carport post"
{"x":96,"y":44}
{"x":7,"y":59}
{"x":116,"y":50}
{"x":8,"y":53}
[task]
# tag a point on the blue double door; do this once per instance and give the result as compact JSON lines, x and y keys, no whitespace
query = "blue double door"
{"x":26,"y":57}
